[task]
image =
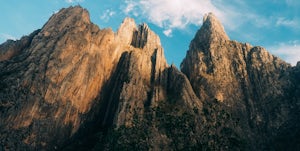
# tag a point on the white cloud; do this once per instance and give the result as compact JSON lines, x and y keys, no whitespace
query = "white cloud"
{"x":178,"y":14}
{"x":107,"y":15}
{"x":74,"y":1}
{"x":289,"y":51}
{"x":281,"y":21}
{"x":238,"y":17}
{"x":7,"y":36}
{"x":172,"y":14}
{"x":257,"y":20}
{"x":168,"y":32}
{"x":239,"y":13}
{"x":130,"y":6}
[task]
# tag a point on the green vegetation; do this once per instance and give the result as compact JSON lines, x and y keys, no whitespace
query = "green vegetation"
{"x":185,"y":129}
{"x":178,"y":124}
{"x":125,"y":138}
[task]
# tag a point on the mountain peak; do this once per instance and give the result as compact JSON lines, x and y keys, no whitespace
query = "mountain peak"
{"x":74,"y":16}
{"x":137,"y":36}
{"x":210,"y":17}
{"x":74,"y":12}
{"x":127,"y":24}
{"x":126,"y":30}
{"x":211,"y":31}
{"x":214,"y":27}
{"x":73,"y":86}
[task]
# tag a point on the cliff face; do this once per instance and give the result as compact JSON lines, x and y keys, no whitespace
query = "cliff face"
{"x":57,"y":79}
{"x":248,"y":80}
{"x":51,"y":84}
{"x":71,"y":85}
{"x":142,"y":82}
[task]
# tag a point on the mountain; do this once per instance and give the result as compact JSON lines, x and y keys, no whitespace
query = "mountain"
{"x":254,"y":86}
{"x":74,"y":86}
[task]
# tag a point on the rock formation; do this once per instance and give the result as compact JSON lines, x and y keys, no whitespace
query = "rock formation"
{"x":49,"y":87}
{"x":248,"y":80}
{"x":73,"y":86}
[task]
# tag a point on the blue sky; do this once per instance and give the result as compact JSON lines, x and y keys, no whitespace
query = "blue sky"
{"x":273,"y":24}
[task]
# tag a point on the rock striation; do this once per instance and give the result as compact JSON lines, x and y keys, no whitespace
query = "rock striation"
{"x":74,"y":86}
{"x":70,"y":73}
{"x":53,"y":82}
{"x":248,"y":80}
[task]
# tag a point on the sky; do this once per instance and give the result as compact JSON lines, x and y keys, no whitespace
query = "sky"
{"x":273,"y":24}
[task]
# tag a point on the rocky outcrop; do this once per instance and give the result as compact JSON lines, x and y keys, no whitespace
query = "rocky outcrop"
{"x":138,"y":75}
{"x":12,"y":48}
{"x":51,"y":84}
{"x":74,"y":86}
{"x":142,"y":82}
{"x":70,"y":73}
{"x":248,"y":80}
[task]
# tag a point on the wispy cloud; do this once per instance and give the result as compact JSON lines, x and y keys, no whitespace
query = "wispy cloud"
{"x":130,"y":6}
{"x":107,"y":15}
{"x":293,"y":23}
{"x":74,"y":1}
{"x":5,"y":37}
{"x":241,"y":19}
{"x":179,"y":14}
{"x":240,"y":13}
{"x":289,"y":51}
{"x":175,"y":14}
{"x":168,"y":32}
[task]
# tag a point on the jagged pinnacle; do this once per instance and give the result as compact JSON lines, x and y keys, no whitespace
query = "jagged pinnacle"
{"x":211,"y":31}
{"x":212,"y":25}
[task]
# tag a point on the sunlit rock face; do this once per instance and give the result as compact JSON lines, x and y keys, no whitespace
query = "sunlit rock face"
{"x":252,"y":84}
{"x":74,"y":86}
{"x":53,"y":81}
{"x":70,"y":73}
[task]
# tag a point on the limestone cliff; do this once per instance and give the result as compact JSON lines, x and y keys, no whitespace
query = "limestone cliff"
{"x":74,"y":86}
{"x":142,"y":82}
{"x":48,"y":87}
{"x":248,"y":80}
{"x":70,"y":73}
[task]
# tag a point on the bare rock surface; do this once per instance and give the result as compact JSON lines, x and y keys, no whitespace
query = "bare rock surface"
{"x":74,"y":86}
{"x":250,"y":81}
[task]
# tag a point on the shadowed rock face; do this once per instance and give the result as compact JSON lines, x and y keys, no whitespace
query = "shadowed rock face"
{"x":71,"y":85}
{"x":248,"y":80}
{"x":58,"y":78}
